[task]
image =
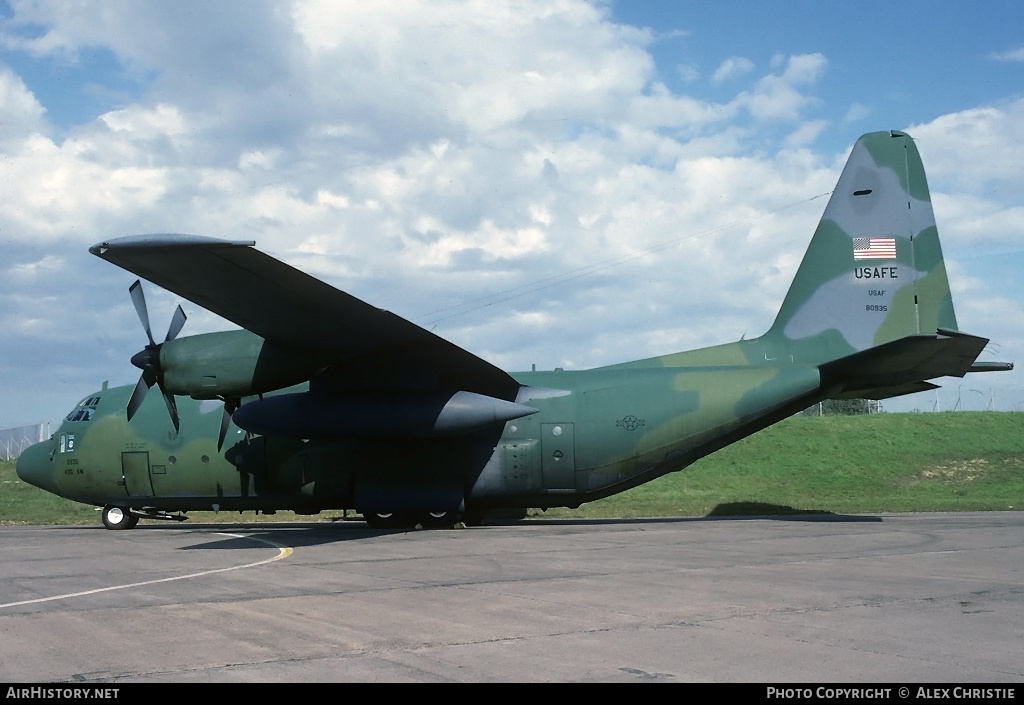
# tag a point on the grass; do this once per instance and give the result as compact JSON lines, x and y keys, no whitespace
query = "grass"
{"x":953,"y":461}
{"x":21,"y":503}
{"x":963,"y":461}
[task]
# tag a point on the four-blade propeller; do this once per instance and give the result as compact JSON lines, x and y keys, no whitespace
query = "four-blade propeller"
{"x":148,"y":359}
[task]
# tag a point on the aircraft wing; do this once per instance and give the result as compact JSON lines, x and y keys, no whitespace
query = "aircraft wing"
{"x":294,"y":310}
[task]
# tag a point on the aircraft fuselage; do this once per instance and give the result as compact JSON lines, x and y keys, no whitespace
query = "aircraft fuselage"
{"x":598,"y":432}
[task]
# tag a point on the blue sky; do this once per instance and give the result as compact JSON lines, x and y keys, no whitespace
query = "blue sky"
{"x":542,"y":183}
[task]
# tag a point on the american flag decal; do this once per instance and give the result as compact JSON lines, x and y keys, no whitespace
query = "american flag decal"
{"x":874,"y":248}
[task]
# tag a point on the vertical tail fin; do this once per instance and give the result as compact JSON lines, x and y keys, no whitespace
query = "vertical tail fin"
{"x":873,"y":272}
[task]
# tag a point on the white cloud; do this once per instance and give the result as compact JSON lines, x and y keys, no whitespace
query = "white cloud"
{"x":142,"y":123}
{"x":975,"y":150}
{"x":1012,"y":55}
{"x":856,"y":113}
{"x":49,"y":265}
{"x":731,"y":68}
{"x":971,"y":220}
{"x":474,"y":66}
{"x":805,"y":134}
{"x":442,"y":157}
{"x":688,"y":72}
{"x":777,"y":97}
{"x":21,"y":115}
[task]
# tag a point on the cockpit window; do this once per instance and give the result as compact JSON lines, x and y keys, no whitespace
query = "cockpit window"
{"x":84,"y":410}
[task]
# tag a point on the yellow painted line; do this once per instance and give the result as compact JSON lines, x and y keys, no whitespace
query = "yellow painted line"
{"x":283,"y":552}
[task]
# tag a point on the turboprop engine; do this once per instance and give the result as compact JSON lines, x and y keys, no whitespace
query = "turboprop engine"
{"x":233,"y":364}
{"x":226,"y":365}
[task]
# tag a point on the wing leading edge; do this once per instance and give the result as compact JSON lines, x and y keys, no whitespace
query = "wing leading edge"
{"x":292,"y":309}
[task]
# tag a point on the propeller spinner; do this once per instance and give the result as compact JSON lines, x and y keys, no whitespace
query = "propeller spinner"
{"x":148,"y":359}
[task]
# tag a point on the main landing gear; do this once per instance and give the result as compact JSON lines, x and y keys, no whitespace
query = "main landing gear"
{"x":409,"y":520}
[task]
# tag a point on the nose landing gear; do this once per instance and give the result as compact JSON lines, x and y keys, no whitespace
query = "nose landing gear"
{"x":118,"y":518}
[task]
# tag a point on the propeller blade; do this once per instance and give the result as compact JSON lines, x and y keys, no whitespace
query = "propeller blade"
{"x":137,"y":396}
{"x":243,"y":482}
{"x":230,"y":406}
{"x":172,"y":407}
{"x":177,"y":321}
{"x":139,"y":299}
{"x":148,"y":360}
{"x":225,"y":421}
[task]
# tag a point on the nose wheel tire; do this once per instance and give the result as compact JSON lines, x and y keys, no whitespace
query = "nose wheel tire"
{"x":118,"y":518}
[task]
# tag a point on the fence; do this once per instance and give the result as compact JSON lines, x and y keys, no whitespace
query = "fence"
{"x":14,"y":440}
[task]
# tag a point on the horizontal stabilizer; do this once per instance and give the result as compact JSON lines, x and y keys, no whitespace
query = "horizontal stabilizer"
{"x":902,"y":366}
{"x":887,"y":392}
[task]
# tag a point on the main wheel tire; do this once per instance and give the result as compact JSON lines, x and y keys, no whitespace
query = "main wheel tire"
{"x":439,"y":520}
{"x":388,"y":520}
{"x":118,"y":518}
{"x":474,"y":518}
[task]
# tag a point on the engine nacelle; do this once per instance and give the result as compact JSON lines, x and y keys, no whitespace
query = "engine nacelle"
{"x":313,"y":415}
{"x":233,"y":364}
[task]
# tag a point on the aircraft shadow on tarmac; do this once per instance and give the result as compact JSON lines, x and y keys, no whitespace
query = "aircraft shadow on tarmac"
{"x":300,"y":534}
{"x":763,"y":510}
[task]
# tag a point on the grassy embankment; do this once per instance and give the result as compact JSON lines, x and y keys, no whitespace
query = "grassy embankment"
{"x":967,"y":461}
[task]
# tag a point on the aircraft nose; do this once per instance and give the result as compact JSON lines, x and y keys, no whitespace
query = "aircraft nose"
{"x":35,"y":467}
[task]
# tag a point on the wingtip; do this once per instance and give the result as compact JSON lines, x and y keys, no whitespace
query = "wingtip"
{"x":163,"y":240}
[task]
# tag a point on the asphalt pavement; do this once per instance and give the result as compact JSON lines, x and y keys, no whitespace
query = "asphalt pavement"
{"x":884,"y":598}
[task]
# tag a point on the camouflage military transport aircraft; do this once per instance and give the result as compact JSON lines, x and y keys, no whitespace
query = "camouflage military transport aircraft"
{"x":325,"y":402}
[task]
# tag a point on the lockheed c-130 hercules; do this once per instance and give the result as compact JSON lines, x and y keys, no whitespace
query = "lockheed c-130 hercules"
{"x":322,"y":401}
